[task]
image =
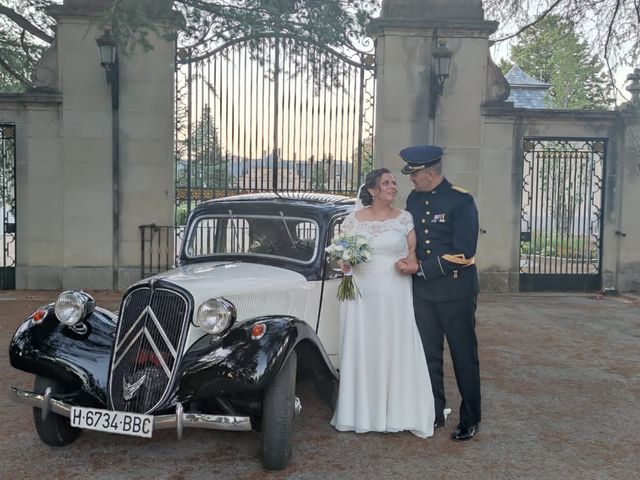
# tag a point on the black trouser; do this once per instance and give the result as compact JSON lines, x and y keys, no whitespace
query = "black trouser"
{"x":454,"y":319}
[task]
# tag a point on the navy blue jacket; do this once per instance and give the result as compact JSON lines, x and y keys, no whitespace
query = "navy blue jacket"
{"x":446,"y":224}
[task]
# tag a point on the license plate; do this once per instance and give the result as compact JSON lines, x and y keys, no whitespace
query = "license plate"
{"x":123,"y":423}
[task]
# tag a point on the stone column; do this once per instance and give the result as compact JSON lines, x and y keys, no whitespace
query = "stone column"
{"x":407,"y":33}
{"x":80,"y":195}
{"x":627,"y":230}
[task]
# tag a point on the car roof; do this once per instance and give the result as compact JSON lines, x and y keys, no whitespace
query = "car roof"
{"x":308,"y":198}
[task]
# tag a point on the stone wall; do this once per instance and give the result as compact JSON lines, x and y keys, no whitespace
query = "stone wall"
{"x":65,"y":166}
{"x":482,"y":135}
{"x":39,"y":202}
{"x":64,"y":146}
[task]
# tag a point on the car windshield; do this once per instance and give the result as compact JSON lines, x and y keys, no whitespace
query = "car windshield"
{"x":253,"y":235}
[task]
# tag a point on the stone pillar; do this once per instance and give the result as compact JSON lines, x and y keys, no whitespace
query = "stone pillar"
{"x":627,"y":230}
{"x":79,"y":199}
{"x":407,"y":33}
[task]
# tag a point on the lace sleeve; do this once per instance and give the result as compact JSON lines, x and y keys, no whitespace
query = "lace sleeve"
{"x":349,"y":224}
{"x":406,"y":220}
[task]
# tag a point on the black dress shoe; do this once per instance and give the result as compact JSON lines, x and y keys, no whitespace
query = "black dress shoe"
{"x":464,"y":433}
{"x":439,"y":422}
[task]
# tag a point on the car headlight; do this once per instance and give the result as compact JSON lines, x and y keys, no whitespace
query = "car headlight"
{"x":72,"y":306}
{"x":216,"y":315}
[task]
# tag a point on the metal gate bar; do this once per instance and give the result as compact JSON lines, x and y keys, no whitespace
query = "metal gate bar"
{"x":8,"y":206}
{"x":561,"y":216}
{"x":271,"y":113}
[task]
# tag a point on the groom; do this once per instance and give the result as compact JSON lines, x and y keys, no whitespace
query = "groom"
{"x":445,"y":287}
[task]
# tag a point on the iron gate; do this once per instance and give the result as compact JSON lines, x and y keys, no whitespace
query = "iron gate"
{"x":8,"y":206}
{"x":561,"y":216}
{"x":271,"y":113}
{"x":265,"y":113}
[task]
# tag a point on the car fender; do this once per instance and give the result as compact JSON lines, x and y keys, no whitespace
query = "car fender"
{"x":237,"y":363}
{"x":77,"y":356}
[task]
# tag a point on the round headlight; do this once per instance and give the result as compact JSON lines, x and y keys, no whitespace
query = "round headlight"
{"x":216,"y":315}
{"x":72,"y":306}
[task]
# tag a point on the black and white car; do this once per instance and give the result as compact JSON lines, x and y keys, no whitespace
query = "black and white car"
{"x":216,"y":343}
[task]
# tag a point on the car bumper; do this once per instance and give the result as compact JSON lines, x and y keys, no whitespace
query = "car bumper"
{"x":178,"y":421}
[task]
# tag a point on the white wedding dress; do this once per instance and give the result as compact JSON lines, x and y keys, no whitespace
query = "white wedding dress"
{"x":384,"y":380}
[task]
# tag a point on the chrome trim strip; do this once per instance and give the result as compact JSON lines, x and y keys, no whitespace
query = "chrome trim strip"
{"x":124,"y":353}
{"x":178,"y":421}
{"x":156,"y":350}
{"x":46,"y":407}
{"x":154,"y":347}
{"x":162,"y":333}
{"x":131,"y":328}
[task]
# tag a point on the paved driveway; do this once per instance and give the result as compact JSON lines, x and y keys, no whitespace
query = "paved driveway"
{"x":561,"y":399}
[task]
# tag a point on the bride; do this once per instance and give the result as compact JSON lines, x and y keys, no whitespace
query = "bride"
{"x":384,"y":380}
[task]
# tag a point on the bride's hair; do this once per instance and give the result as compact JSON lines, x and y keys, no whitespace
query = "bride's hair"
{"x":371,"y":181}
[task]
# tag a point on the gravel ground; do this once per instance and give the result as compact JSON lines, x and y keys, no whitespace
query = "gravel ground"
{"x":561,"y":399}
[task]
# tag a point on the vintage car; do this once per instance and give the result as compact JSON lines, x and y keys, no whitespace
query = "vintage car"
{"x":218,"y":342}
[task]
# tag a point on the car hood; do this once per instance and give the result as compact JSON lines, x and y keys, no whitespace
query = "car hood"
{"x":254,"y":289}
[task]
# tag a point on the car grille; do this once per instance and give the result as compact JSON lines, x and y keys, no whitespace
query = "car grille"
{"x":151,"y":332}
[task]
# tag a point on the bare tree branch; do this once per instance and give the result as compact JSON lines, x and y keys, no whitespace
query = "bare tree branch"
{"x":610,"y":29}
{"x":25,"y":24}
{"x":25,"y":47}
{"x":530,"y":24}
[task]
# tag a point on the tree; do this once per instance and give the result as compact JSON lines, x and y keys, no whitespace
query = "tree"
{"x":209,"y":167}
{"x":25,"y":32}
{"x":321,"y":173}
{"x":552,"y":52}
{"x":27,"y":28}
{"x":611,"y":26}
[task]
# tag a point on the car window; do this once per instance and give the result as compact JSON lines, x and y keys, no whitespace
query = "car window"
{"x":274,"y":236}
{"x":335,"y":229}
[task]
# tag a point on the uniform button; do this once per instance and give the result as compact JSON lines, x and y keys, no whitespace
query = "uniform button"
{"x":426,"y":230}
{"x":427,"y":242}
{"x":428,"y":251}
{"x":423,"y":220}
{"x":427,"y":202}
{"x":433,"y":192}
{"x":428,"y":213}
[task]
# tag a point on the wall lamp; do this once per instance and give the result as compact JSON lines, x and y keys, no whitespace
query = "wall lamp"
{"x":108,"y":51}
{"x":440,"y":65}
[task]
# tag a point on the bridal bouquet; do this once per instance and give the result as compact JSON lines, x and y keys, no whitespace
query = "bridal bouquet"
{"x":350,"y":250}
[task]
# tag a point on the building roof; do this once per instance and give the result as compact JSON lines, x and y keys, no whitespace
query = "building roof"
{"x":517,"y":78}
{"x":526,"y":91}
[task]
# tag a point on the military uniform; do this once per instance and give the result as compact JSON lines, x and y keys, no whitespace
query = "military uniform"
{"x":446,"y":286}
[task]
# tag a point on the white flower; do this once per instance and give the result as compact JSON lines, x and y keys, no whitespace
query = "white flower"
{"x":351,"y":249}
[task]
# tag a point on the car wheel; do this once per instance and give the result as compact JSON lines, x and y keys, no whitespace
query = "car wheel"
{"x":278,"y":406}
{"x":55,"y":430}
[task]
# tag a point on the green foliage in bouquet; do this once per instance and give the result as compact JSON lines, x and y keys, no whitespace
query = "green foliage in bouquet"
{"x":350,"y":250}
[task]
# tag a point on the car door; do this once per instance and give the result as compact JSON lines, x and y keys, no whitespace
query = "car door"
{"x":329,"y":322}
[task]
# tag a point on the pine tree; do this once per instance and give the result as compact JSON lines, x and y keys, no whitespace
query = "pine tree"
{"x":552,"y":52}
